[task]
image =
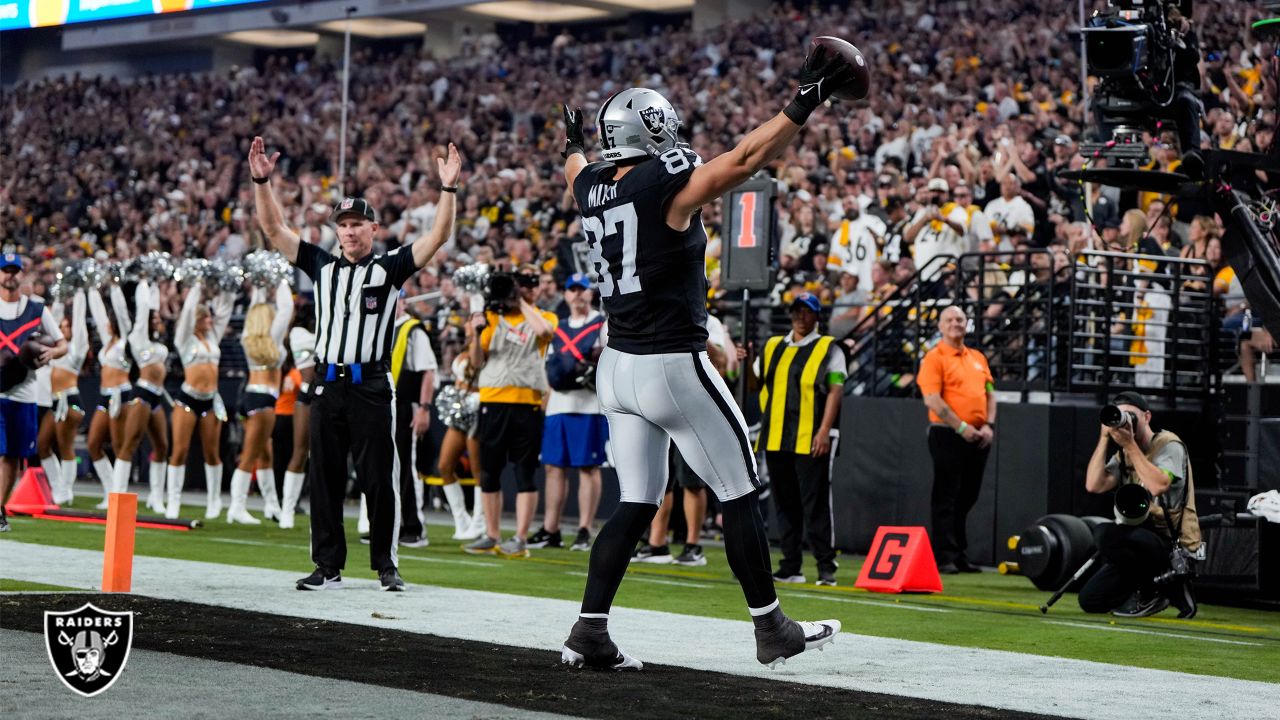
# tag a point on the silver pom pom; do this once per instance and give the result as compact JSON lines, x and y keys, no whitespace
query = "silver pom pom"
{"x":266,"y":268}
{"x":471,"y":278}
{"x":113,"y":273}
{"x":76,"y":275}
{"x":224,"y":276}
{"x":155,"y":266}
{"x":458,"y":408}
{"x":190,"y":270}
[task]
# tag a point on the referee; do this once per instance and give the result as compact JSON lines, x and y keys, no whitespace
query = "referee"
{"x":353,"y":398}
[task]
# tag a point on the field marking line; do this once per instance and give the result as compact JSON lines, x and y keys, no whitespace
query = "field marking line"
{"x":1139,"y":631}
{"x":859,"y":601}
{"x":404,"y":556}
{"x":655,"y":581}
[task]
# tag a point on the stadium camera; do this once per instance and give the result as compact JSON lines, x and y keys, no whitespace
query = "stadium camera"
{"x":1133,"y":48}
{"x":1133,"y":504}
{"x":1113,"y":417}
{"x":500,"y":291}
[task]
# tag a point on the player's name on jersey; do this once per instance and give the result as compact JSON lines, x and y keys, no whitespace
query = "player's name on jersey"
{"x":600,"y":194}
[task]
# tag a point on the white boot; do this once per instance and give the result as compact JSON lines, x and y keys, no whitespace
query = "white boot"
{"x":69,"y":480}
{"x":213,"y":491}
{"x":236,"y":511}
{"x":458,"y":506}
{"x":177,"y":477}
{"x":120,"y":475}
{"x":155,"y":477}
{"x":362,"y":520}
{"x":267,"y":485}
{"x":102,"y":468}
{"x":478,"y":528}
{"x":52,"y":467}
{"x":292,"y":491}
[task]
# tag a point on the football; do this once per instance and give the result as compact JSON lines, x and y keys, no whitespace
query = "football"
{"x":857,"y":88}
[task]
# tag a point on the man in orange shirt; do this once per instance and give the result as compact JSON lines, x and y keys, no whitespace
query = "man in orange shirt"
{"x":960,"y":394}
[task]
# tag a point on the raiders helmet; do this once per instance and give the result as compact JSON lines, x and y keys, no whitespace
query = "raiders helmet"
{"x":636,"y":122}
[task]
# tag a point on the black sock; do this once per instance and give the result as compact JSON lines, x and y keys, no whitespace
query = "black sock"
{"x":748,"y":550}
{"x":611,"y":554}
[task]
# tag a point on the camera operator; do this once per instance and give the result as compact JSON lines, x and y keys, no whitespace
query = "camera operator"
{"x":1133,"y":556}
{"x":509,"y":352}
{"x":1188,"y":109}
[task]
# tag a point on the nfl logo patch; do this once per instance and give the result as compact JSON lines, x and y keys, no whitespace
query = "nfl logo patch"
{"x":347,"y":203}
{"x":370,"y":302}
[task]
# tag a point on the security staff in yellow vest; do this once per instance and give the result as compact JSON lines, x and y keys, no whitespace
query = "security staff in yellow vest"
{"x":413,"y":370}
{"x":802,"y":377}
{"x":510,"y":353}
{"x":1135,"y":555}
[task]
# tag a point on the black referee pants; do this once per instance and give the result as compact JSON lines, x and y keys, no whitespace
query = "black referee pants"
{"x":801,"y":488}
{"x":958,"y":467}
{"x":410,"y":525}
{"x":347,"y":418}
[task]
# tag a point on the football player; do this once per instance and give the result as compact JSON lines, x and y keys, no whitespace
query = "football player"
{"x":641,"y":214}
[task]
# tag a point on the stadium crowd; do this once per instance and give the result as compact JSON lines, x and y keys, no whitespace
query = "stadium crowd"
{"x":954,"y":151}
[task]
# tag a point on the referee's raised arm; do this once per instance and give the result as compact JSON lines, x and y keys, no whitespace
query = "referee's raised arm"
{"x":427,"y":245}
{"x":270,"y":216}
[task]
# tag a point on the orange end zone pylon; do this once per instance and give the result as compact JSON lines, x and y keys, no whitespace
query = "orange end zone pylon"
{"x":117,"y":555}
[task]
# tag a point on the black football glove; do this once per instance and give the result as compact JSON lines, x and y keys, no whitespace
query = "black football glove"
{"x":821,"y":75}
{"x":575,"y":141}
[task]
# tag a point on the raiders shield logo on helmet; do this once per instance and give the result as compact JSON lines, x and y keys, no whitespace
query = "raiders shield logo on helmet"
{"x":88,"y":647}
{"x":653,"y":118}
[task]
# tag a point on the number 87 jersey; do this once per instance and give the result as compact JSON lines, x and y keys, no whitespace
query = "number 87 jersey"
{"x":652,"y":279}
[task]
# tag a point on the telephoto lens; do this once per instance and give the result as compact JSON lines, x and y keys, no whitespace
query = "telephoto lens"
{"x":1113,"y":417}
{"x":1133,"y":504}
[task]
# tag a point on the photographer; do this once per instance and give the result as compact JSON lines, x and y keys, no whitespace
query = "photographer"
{"x":509,"y":352}
{"x":1134,"y":555}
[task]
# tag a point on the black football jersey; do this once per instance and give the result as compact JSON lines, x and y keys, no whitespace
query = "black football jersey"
{"x":651,"y":279}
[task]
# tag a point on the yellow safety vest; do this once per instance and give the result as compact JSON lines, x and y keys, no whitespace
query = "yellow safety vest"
{"x":790,"y":409}
{"x":401,"y":347}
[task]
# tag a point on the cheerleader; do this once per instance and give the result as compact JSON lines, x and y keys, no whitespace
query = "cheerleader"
{"x":64,"y":384}
{"x":196,"y":337}
{"x":302,"y":344}
{"x":115,"y":391}
{"x":145,"y":411}
{"x":263,"y":343}
{"x":458,"y":406}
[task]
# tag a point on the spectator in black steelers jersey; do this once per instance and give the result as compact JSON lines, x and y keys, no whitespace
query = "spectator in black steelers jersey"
{"x":808,"y":236}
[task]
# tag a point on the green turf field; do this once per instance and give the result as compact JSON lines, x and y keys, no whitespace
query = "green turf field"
{"x":986,"y":610}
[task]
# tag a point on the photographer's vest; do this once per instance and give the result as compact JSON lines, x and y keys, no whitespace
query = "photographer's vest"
{"x":514,"y":371}
{"x":1183,"y":520}
{"x":790,"y":411}
{"x":408,"y":382}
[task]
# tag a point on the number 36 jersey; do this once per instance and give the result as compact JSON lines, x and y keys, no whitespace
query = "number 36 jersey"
{"x":652,"y":279}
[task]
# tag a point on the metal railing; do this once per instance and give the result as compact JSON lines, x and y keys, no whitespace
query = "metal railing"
{"x":1048,"y":323}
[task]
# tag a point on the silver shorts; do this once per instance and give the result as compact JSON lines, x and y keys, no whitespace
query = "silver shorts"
{"x":650,"y":401}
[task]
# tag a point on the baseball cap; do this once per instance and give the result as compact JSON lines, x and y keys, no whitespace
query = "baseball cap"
{"x":8,"y":260}
{"x":938,"y":184}
{"x":807,"y":300}
{"x":356,"y":206}
{"x":1129,"y":397}
{"x":578,"y":280}
{"x":1062,"y":140}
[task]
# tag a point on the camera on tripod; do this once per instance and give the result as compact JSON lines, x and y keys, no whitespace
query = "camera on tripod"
{"x":1133,"y":49}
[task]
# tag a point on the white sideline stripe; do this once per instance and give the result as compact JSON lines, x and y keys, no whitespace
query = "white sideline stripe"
{"x":971,"y":676}
{"x":858,"y":601}
{"x":448,"y":561}
{"x":655,"y":581}
{"x":1114,"y":628}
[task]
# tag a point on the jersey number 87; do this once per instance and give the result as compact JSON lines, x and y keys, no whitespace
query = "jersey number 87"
{"x":622,"y":221}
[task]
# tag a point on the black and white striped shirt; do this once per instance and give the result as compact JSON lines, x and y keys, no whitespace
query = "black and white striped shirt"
{"x":355,"y":302}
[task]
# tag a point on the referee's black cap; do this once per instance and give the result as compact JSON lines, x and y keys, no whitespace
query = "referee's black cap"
{"x":353,"y":206}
